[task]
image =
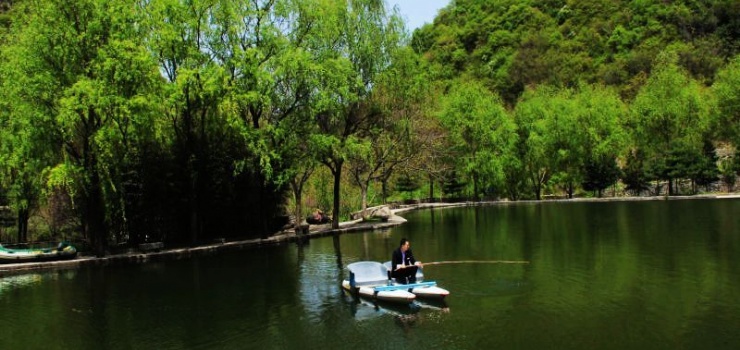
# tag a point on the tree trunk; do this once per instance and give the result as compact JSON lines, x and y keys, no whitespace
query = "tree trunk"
{"x":363,"y":191}
{"x":384,"y":190}
{"x":537,"y":183}
{"x":94,"y":212}
{"x":431,"y":188}
{"x":22,"y":225}
{"x":337,"y":181}
{"x":193,"y":216}
{"x":298,"y":196}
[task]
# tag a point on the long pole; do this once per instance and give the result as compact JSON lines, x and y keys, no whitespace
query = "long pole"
{"x":477,"y":262}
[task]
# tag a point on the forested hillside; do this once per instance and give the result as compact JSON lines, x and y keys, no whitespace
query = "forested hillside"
{"x":511,"y":44}
{"x":599,"y":91}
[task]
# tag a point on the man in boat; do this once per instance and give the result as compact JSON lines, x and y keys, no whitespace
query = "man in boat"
{"x":403,"y":264}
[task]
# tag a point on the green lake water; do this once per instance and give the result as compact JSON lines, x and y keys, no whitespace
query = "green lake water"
{"x":619,"y":275}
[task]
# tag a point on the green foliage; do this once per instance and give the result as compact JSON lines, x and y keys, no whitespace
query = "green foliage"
{"x":533,"y":116}
{"x":599,"y":174}
{"x":634,"y":174}
{"x":407,"y":183}
{"x":725,"y":90}
{"x":482,"y":134}
{"x":671,"y":118}
{"x":514,"y":44}
{"x":452,"y":186}
{"x":728,"y":170}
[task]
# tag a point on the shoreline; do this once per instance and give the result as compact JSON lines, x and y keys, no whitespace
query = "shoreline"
{"x":315,"y":231}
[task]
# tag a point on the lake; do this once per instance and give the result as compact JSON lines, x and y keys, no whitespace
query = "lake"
{"x":611,"y":275}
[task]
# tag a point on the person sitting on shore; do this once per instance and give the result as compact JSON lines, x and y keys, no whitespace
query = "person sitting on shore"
{"x":403,"y":264}
{"x":317,"y":217}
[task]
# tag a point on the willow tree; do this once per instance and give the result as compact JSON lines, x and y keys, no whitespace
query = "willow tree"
{"x":24,"y":150}
{"x":80,"y":72}
{"x":725,"y":89}
{"x":257,"y":45}
{"x":601,"y":115}
{"x":670,"y":118}
{"x":395,"y":140}
{"x":187,"y":39}
{"x":355,"y":44}
{"x":29,"y":140}
{"x":572,"y":136}
{"x":727,"y":117}
{"x":274,"y":55}
{"x":531,"y":115}
{"x":565,"y":140}
{"x":482,"y":134}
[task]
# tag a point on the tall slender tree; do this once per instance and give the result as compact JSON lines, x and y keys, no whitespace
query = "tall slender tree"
{"x":356,"y":43}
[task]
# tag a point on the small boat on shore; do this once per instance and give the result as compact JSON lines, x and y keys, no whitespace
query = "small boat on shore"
{"x":372,"y":280}
{"x":62,"y":251}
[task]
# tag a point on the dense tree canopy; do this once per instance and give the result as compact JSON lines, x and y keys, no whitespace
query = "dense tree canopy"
{"x":511,"y":44}
{"x":186,"y":121}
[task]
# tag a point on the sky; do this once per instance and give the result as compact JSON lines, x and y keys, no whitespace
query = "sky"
{"x":418,"y":12}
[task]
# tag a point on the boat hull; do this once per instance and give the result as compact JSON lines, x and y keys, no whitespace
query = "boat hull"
{"x":432,"y":292}
{"x":393,"y":296}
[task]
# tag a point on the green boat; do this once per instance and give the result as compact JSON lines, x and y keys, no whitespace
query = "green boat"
{"x":62,"y":251}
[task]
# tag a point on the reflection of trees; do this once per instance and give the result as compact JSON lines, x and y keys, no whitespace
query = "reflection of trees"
{"x":664,"y":267}
{"x":338,"y":253}
{"x":626,"y":259}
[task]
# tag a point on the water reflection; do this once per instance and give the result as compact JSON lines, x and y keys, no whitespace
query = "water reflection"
{"x":364,"y":309}
{"x":405,"y":316}
{"x":657,"y":275}
{"x":11,"y":283}
{"x":337,"y":250}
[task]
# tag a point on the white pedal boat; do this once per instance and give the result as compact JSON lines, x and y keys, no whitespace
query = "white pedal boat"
{"x":372,"y":280}
{"x":366,"y":276}
{"x":426,"y":290}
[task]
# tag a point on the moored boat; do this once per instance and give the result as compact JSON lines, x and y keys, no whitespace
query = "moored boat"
{"x":62,"y":251}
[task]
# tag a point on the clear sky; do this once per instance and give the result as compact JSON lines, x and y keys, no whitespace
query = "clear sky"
{"x":418,"y":12}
